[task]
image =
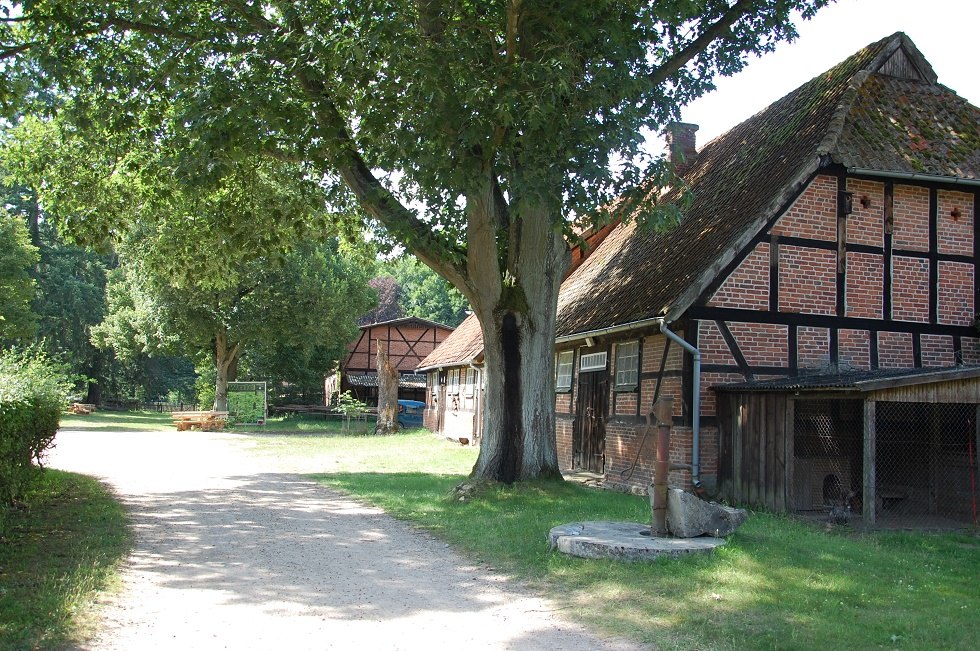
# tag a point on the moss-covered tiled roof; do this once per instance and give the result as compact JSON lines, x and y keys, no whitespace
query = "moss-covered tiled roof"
{"x":856,"y":113}
{"x":913,"y":127}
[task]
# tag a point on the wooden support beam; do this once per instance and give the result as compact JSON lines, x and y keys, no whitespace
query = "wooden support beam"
{"x":868,"y":497}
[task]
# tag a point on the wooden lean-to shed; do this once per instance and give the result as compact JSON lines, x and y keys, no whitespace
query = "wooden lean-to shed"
{"x":886,"y":447}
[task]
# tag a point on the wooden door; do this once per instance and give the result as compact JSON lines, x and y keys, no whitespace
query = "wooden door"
{"x":589,"y":433}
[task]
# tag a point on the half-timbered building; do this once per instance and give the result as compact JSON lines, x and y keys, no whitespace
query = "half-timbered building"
{"x":406,"y":341}
{"x":813,"y":314}
{"x":828,"y":257}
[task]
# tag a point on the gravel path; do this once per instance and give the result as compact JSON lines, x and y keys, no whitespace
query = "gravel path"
{"x":239,"y":551}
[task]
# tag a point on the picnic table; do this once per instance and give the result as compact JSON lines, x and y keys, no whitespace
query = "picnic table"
{"x":206,"y":421}
{"x":81,"y":408}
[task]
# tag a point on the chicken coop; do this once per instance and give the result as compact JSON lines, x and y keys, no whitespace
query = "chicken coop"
{"x":876,"y":449}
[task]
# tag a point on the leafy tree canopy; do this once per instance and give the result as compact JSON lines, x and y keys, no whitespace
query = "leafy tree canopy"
{"x":475,"y":132}
{"x":425,"y":294}
{"x":17,"y":258}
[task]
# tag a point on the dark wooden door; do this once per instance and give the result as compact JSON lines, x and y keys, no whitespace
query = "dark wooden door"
{"x":589,"y":433}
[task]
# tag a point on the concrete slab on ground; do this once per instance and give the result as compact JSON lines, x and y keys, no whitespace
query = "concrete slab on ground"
{"x":626,"y":541}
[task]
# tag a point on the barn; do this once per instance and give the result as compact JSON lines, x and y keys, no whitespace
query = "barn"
{"x":813,"y":315}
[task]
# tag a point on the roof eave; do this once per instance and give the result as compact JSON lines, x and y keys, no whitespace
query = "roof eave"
{"x":914,"y":176}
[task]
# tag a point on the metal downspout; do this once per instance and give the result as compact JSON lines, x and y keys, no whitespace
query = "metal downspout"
{"x":695,"y":404}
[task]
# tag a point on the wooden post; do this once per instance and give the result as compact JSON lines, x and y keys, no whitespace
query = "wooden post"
{"x":868,"y":497}
{"x":663,"y":411}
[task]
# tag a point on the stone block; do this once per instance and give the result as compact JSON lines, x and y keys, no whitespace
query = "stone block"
{"x":689,"y":516}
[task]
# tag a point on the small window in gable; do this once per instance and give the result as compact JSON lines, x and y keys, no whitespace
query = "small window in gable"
{"x":563,"y":370}
{"x":627,"y":363}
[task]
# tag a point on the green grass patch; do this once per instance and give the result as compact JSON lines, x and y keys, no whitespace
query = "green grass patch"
{"x":58,"y":549}
{"x":777,"y":584}
{"x":294,"y":424}
{"x":404,"y":452}
{"x":118,"y":421}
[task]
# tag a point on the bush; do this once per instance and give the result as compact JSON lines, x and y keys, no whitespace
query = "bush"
{"x":33,"y":392}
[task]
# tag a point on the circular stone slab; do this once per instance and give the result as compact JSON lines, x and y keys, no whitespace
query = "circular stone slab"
{"x":624,"y":541}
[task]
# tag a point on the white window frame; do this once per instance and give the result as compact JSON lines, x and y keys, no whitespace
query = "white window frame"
{"x":470,"y":387}
{"x":627,"y":365}
{"x":564,"y":366}
{"x":592,"y":362}
{"x":453,"y":382}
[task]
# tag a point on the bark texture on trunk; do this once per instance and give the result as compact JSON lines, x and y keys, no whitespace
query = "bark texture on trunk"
{"x":519,"y":339}
{"x":226,"y":368}
{"x":387,"y":394}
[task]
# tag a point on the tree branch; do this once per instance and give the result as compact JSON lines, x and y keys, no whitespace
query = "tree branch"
{"x":14,"y":50}
{"x":671,"y":66}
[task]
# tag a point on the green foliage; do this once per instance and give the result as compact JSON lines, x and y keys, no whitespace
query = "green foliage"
{"x":58,"y":554}
{"x":204,"y":384}
{"x":17,"y":257}
{"x":246,"y":403}
{"x":33,"y":392}
{"x":477,"y":133}
{"x":237,"y":266}
{"x":350,"y":407}
{"x":545,"y":98}
{"x":425,"y":294}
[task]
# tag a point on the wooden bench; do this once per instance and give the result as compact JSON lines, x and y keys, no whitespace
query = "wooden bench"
{"x":206,"y":421}
{"x":81,"y":408}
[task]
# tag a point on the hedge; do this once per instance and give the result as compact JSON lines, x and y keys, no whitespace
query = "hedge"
{"x":33,"y":393}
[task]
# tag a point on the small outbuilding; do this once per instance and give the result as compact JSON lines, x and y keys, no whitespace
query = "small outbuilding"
{"x":885,"y":448}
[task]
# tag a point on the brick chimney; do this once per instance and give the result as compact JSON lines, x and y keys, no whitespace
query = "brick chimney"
{"x":682,"y":144}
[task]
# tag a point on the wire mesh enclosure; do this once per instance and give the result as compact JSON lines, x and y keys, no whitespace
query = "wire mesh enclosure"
{"x":828,"y":445}
{"x":925,"y":465}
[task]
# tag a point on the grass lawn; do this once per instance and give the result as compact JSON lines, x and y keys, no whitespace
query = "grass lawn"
{"x":294,"y":424}
{"x":119,"y":421}
{"x":777,"y":584}
{"x":57,"y":551}
{"x":151,"y":421}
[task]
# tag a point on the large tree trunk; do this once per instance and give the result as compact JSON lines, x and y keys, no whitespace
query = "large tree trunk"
{"x":387,"y":394}
{"x":226,"y":368}
{"x":519,"y":345}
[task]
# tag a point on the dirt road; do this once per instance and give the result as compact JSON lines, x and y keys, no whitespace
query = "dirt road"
{"x":238,"y":551}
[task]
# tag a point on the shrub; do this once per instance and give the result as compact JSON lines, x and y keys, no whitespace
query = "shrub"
{"x":33,"y":392}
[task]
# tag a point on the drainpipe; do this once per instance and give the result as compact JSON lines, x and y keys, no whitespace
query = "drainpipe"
{"x":695,"y":404}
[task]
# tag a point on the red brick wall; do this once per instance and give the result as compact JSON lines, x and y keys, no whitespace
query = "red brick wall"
{"x":911,"y":215}
{"x":955,"y":293}
{"x":955,"y":230}
{"x":854,"y":348}
{"x":762,"y":344}
{"x":937,"y":350}
{"x":748,"y":286}
{"x":563,"y":434}
{"x":863,"y":284}
{"x":866,"y":225}
{"x":714,"y":349}
{"x":807,"y":280}
{"x":626,"y":403}
{"x":812,"y":347}
{"x":970,"y":350}
{"x":910,"y":289}
{"x":895,"y":350}
{"x":814,"y":214}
